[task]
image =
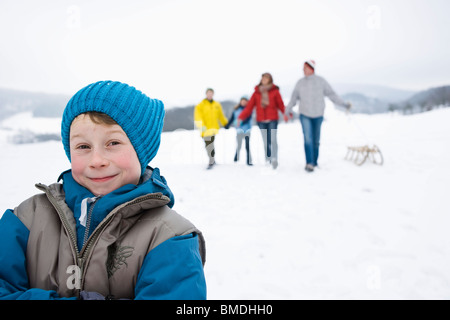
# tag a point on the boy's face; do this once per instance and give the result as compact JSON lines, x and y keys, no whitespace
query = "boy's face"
{"x":209,"y":94}
{"x":103,"y":158}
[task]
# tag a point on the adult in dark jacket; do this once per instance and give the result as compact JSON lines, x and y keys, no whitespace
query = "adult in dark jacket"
{"x":268,"y":102}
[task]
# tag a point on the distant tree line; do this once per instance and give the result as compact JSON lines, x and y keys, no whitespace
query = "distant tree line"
{"x":27,"y":136}
{"x":424,"y":101}
{"x":183,"y":117}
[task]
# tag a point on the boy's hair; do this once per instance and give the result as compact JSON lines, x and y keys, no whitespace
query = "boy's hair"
{"x":139,"y":116}
{"x":210,"y":89}
{"x":100,"y":118}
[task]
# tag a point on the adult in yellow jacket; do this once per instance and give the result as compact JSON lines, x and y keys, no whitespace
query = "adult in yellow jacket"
{"x":207,"y":115}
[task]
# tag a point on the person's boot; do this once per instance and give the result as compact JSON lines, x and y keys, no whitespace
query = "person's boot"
{"x":211,"y":164}
{"x":274,"y":163}
{"x":249,"y":159}
{"x":247,"y":148}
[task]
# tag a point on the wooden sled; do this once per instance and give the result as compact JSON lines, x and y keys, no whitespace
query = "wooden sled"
{"x":359,"y":155}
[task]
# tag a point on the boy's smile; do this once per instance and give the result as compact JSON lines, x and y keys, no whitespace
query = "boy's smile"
{"x":103,"y":158}
{"x":104,"y":179}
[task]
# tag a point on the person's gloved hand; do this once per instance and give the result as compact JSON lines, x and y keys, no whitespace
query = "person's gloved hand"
{"x":89,"y":295}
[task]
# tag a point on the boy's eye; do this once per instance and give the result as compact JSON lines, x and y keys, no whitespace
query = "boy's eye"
{"x":83,"y":147}
{"x":114,"y":143}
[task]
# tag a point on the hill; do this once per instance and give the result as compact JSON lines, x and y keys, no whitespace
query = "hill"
{"x":183,"y":117}
{"x":40,"y":104}
{"x":378,"y":92}
{"x":44,"y":105}
{"x":425,"y":100}
{"x":369,"y":100}
{"x":364,"y":104}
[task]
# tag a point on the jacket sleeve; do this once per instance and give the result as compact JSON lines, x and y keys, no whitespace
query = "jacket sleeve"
{"x":294,"y":98}
{"x":172,"y":271}
{"x":13,"y":273}
{"x":230,"y":120}
{"x":247,"y":112}
{"x":198,"y":116}
{"x":223,"y":120}
{"x":329,"y":92}
{"x":280,"y":103}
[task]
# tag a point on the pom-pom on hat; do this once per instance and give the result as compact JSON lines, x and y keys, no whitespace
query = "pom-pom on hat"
{"x":139,"y":116}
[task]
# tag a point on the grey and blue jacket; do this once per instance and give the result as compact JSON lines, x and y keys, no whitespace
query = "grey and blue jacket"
{"x":131,"y":245}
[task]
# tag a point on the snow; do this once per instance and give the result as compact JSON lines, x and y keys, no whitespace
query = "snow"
{"x":26,"y":121}
{"x":341,"y":232}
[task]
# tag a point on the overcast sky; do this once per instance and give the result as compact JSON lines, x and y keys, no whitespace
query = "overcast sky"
{"x":173,"y":50}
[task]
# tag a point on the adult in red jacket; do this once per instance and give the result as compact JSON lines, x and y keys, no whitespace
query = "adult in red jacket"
{"x":268,"y":102}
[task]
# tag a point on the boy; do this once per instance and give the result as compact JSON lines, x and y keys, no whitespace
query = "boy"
{"x":207,"y":115}
{"x":242,"y":131}
{"x":107,"y":231}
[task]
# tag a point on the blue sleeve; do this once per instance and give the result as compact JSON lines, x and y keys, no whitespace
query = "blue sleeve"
{"x":172,"y":271}
{"x":13,"y":272}
{"x":230,"y":121}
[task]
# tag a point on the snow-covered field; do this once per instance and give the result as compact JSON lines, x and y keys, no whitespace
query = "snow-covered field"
{"x":342,"y":232}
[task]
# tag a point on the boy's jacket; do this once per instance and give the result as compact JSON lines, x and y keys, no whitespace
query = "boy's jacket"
{"x":142,"y":249}
{"x":207,"y":115}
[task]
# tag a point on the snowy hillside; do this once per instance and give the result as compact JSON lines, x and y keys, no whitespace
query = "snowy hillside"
{"x":342,"y":232}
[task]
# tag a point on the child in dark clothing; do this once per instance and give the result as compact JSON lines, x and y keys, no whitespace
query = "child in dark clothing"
{"x":242,"y":131}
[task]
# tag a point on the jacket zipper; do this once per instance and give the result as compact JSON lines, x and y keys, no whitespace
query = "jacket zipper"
{"x":88,"y":220}
{"x":81,"y":257}
{"x":88,"y":246}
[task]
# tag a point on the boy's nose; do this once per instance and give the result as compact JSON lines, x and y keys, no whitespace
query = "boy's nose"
{"x":98,"y":160}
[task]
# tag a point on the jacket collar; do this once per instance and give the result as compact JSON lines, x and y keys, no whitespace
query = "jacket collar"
{"x":274,"y":87}
{"x":152,"y":183}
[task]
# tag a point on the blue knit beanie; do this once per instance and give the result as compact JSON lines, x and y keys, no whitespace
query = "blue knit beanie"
{"x":140,"y":117}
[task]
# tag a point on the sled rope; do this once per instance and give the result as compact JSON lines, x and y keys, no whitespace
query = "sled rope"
{"x":359,"y":154}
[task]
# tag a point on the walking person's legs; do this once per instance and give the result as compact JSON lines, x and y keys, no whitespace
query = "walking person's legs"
{"x":263,"y":126}
{"x":239,"y":136}
{"x":317,"y":124}
{"x":307,"y":128}
{"x":273,"y":130}
{"x":247,"y":148}
{"x":209,"y":145}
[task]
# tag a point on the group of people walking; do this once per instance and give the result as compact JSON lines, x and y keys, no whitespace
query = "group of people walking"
{"x":309,"y":92}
